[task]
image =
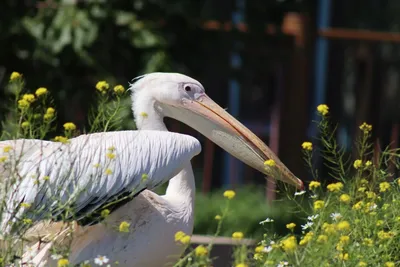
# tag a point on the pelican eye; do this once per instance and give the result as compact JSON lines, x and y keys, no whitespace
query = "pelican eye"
{"x":188,"y":88}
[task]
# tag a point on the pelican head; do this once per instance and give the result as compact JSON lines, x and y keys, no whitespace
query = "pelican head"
{"x":183,"y":98}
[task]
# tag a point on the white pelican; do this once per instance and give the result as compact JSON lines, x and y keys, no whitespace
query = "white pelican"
{"x":93,"y":170}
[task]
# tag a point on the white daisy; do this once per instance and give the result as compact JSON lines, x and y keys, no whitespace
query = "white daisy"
{"x":282,"y":264}
{"x":307,"y":225}
{"x":100,"y":260}
{"x":299,"y":193}
{"x":336,"y":216}
{"x":312,"y":217}
{"x":267,"y":249}
{"x":268,"y":220}
{"x":56,"y":256}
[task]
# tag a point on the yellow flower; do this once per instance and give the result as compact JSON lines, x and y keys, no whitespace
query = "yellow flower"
{"x":185,"y":240}
{"x":69,"y":126}
{"x":61,"y":139}
{"x":201,"y":251}
{"x":29,"y":97}
{"x":241,"y":265}
{"x":343,"y":226}
{"x":384,"y":186}
{"x":335,"y":187}
{"x":358,"y":205}
{"x":7,"y":149}
{"x":23,"y":104}
{"x":25,"y":124}
{"x":110,"y":155}
{"x":104,"y":213}
{"x":398,"y":181}
{"x":270,"y":163}
{"x":218,"y":217}
{"x":322,"y":239}
{"x":119,"y":89}
{"x":344,"y":239}
{"x":48,"y":116}
{"x":370,"y":194}
{"x":26,"y":205}
{"x":329,"y":228}
{"x":237,"y":235}
{"x":179,"y":235}
{"x":366,"y":128}
{"x":368,"y":242}
{"x":259,"y":249}
{"x":389,"y":264}
{"x":102,"y":86}
{"x":362,"y":264}
{"x":229,"y":194}
{"x":15,"y":75}
{"x":307,"y":238}
{"x":323,"y":109}
{"x":385,"y":235}
{"x":108,"y":171}
{"x":368,"y":163}
{"x":314,"y":185}
{"x":289,"y":244}
{"x":344,"y":256}
{"x":290,"y":226}
{"x":345,"y":198}
{"x":357,"y":163}
{"x":307,"y":146}
{"x":50,"y":110}
{"x":319,"y":204}
{"x":62,"y":263}
{"x":258,"y":256}
{"x":379,"y":222}
{"x":3,"y":159}
{"x":41,"y":91}
{"x":124,"y":227}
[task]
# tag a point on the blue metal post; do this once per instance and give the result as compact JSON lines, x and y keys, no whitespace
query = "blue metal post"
{"x":232,"y":168}
{"x":321,"y":62}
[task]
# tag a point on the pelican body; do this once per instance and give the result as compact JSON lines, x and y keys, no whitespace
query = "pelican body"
{"x":117,"y":171}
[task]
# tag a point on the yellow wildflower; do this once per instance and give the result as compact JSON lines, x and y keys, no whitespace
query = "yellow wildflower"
{"x":26,"y":205}
{"x":357,"y":163}
{"x":124,"y":227}
{"x":119,"y":89}
{"x":289,"y":244}
{"x":366,"y":128}
{"x":362,"y":264}
{"x":344,"y":256}
{"x":329,"y":228}
{"x":108,"y":171}
{"x":69,"y":126}
{"x":61,"y":139}
{"x":23,"y":104}
{"x":50,"y":110}
{"x":344,"y":239}
{"x":370,"y":194}
{"x":29,"y":97}
{"x":41,"y":91}
{"x":362,"y":189}
{"x":384,"y":186}
{"x":307,"y":238}
{"x":25,"y":124}
{"x":48,"y":116}
{"x":102,"y":86}
{"x":15,"y":75}
{"x":398,"y":181}
{"x":385,"y":235}
{"x":105,"y":213}
{"x":343,"y":226}
{"x":368,"y":163}
{"x":110,"y":155}
{"x":335,"y":187}
{"x":62,"y":263}
{"x":270,"y":163}
{"x":358,"y":205}
{"x":241,"y":265}
{"x":319,"y":204}
{"x":3,"y":159}
{"x":307,"y":146}
{"x":237,"y":235}
{"x":258,"y":256}
{"x":290,"y":226}
{"x":7,"y":149}
{"x":179,"y":235}
{"x":322,"y":239}
{"x":229,"y":194}
{"x":323,"y":109}
{"x":201,"y":251}
{"x":314,"y":184}
{"x":218,"y":217}
{"x":379,"y":222}
{"x":345,"y":198}
{"x":389,"y":264}
{"x":368,"y":242}
{"x":185,"y":240}
{"x":259,"y":249}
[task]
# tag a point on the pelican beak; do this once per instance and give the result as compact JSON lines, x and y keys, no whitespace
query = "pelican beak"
{"x":207,"y":117}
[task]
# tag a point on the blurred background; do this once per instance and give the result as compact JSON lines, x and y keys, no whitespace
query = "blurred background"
{"x":269,"y":62}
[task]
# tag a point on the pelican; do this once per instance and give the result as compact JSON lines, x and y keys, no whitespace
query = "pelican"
{"x":117,"y":171}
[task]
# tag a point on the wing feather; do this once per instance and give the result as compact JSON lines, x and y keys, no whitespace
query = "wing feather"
{"x":89,"y":172}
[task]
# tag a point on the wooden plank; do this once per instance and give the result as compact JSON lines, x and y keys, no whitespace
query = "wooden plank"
{"x":360,"y":35}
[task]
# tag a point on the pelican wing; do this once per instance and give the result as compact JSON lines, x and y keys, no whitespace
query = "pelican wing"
{"x":90,"y":173}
